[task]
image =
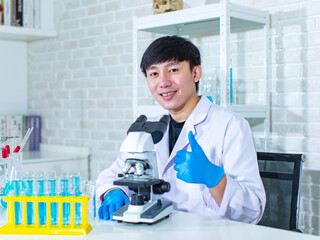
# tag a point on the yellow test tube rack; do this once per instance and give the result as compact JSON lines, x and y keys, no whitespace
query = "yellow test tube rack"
{"x":35,"y":229}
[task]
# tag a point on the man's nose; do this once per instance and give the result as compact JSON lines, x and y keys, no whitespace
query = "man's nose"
{"x":165,"y":80}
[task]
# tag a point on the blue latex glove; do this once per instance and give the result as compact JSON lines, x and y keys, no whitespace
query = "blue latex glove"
{"x":113,"y":200}
{"x":194,"y":166}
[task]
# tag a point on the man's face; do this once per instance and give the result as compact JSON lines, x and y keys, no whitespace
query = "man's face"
{"x":172,"y":84}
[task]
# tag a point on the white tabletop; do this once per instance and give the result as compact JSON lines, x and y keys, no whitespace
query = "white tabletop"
{"x":178,"y":226}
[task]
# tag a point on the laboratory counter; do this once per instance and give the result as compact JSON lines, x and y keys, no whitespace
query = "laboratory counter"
{"x":59,"y":159}
{"x":179,"y":225}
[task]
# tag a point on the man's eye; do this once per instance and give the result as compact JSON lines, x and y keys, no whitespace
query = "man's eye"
{"x":153,"y":74}
{"x":174,"y":70}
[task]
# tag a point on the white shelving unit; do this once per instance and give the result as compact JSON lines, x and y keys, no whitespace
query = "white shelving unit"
{"x":13,"y":58}
{"x":45,"y":31}
{"x":25,"y":34}
{"x":218,"y":18}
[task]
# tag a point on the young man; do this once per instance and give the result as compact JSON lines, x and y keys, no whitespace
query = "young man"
{"x":207,"y":153}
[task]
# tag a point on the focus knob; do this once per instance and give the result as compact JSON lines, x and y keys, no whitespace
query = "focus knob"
{"x":161,"y":188}
{"x":137,"y":199}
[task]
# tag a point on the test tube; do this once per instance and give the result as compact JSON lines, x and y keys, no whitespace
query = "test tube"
{"x":17,"y":205}
{"x":42,"y":206}
{"x":90,"y":190}
{"x":76,"y":192}
{"x":53,"y":192}
{"x":65,"y":206}
{"x":30,"y":205}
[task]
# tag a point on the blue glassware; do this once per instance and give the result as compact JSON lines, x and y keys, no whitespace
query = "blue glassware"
{"x":53,"y":206}
{"x":30,"y":205}
{"x":17,"y":205}
{"x":65,"y":206}
{"x":42,"y":206}
{"x":76,"y":192}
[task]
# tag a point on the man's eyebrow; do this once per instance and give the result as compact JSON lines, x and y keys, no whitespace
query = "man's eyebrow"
{"x":172,"y":63}
{"x":152,"y":67}
{"x":168,"y":64}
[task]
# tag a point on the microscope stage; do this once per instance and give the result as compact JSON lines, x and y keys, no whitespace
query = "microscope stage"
{"x":136,"y":182}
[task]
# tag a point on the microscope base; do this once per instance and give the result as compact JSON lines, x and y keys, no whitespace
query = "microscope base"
{"x":149,"y":213}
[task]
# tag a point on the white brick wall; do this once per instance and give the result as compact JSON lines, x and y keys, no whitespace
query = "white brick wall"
{"x":80,"y":82}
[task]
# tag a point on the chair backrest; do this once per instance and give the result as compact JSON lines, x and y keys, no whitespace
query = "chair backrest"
{"x":280,"y":173}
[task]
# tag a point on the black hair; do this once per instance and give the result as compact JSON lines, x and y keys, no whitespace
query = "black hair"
{"x":171,"y":48}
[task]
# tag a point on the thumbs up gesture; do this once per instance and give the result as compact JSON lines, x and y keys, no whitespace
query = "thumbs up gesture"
{"x":195,"y":167}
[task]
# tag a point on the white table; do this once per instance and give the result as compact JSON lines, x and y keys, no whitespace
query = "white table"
{"x":178,"y":226}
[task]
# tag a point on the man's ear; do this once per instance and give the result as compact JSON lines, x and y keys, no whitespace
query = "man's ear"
{"x":196,"y":73}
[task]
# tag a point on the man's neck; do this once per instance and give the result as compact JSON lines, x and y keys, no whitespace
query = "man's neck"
{"x":181,"y":115}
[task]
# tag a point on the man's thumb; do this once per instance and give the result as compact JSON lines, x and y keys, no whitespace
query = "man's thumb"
{"x":193,"y":142}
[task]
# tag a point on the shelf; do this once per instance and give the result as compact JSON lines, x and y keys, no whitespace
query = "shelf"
{"x":221,"y":19}
{"x":25,"y":34}
{"x":246,"y":111}
{"x":200,"y":20}
{"x":250,"y":111}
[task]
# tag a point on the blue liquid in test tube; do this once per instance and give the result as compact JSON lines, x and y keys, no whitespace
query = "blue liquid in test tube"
{"x":77,"y":192}
{"x":65,"y":206}
{"x":6,"y":191}
{"x":17,"y":205}
{"x":53,"y":206}
{"x":42,"y":205}
{"x":30,"y":205}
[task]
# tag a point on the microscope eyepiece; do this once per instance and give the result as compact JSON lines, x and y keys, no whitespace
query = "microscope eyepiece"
{"x":141,"y":118}
{"x":165,"y":119}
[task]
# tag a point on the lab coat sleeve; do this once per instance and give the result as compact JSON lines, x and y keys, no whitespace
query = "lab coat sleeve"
{"x":105,"y":179}
{"x":244,"y":197}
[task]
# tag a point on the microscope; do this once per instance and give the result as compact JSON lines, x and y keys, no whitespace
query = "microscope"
{"x":140,"y":174}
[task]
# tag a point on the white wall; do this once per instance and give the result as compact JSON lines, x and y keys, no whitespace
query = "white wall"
{"x":81,"y":82}
{"x":13,"y":77}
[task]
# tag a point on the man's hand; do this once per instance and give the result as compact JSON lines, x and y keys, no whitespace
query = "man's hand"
{"x":113,"y":200}
{"x":194,"y":166}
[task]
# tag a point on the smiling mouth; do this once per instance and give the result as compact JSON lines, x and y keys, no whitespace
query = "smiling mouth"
{"x":167,"y":94}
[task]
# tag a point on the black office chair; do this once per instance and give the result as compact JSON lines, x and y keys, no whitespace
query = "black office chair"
{"x":280,"y":173}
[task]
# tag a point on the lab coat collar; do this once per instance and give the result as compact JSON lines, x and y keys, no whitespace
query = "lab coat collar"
{"x":197,"y":116}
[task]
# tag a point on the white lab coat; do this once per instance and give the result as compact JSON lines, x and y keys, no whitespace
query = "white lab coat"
{"x":227,"y":142}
